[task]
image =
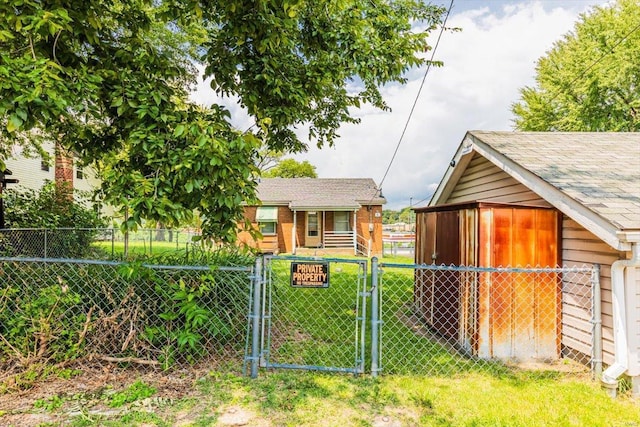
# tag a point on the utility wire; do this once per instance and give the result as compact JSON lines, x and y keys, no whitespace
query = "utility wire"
{"x":425,"y":199}
{"x":415,"y":101}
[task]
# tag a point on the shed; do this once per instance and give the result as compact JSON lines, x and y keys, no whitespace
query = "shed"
{"x":498,"y":316}
{"x":592,"y":179}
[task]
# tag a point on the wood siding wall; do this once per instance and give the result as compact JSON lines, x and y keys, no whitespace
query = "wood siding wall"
{"x":482,"y":181}
{"x":580,"y":247}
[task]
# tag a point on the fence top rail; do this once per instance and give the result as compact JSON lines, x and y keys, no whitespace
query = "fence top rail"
{"x":119,"y":263}
{"x":470,"y":268}
{"x":57,"y":229}
{"x":117,"y":230}
{"x":315,"y":258}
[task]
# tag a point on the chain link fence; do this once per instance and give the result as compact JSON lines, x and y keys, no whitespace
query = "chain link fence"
{"x":89,"y":243}
{"x":311,"y":326}
{"x":408,"y":319}
{"x":60,"y":310}
{"x":444,"y":320}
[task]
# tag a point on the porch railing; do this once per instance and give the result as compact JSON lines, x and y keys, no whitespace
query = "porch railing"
{"x":338,"y":239}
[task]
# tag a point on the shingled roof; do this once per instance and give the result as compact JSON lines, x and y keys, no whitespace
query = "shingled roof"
{"x":592,"y":175}
{"x":320,"y":193}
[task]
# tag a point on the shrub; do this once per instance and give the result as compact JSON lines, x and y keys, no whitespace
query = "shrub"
{"x":50,"y":209}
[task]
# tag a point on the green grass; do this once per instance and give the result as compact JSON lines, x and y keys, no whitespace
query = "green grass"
{"x":297,"y":398}
{"x":141,"y":248}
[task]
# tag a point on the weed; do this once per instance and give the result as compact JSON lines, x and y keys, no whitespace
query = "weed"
{"x":136,"y":391}
{"x":145,"y":418}
{"x":49,"y":404}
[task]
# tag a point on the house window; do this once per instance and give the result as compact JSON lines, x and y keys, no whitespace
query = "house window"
{"x":44,"y":165}
{"x":268,"y":228}
{"x":341,"y":222}
{"x":267,"y":219}
{"x":79,"y":172}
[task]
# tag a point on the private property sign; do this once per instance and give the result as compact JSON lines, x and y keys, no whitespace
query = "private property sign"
{"x":310,"y":274}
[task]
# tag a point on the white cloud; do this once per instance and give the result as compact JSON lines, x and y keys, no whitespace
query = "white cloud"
{"x":485,"y":65}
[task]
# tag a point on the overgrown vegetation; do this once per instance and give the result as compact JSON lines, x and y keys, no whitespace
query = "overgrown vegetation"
{"x":56,"y":312}
{"x":110,"y":81}
{"x":57,"y":212}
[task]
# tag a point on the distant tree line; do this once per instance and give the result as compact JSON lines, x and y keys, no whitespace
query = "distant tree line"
{"x":405,"y":215}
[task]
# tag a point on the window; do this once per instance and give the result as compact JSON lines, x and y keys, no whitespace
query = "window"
{"x":44,"y":165}
{"x":79,"y":172}
{"x":267,"y":219}
{"x":267,"y":228}
{"x":341,"y":222}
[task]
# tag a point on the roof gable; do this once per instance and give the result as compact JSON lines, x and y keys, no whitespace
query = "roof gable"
{"x":591,"y":177}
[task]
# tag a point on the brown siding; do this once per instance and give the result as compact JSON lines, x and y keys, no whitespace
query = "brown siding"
{"x":581,"y":247}
{"x":483,"y":181}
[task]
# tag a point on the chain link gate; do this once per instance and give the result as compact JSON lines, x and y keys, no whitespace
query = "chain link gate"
{"x":310,"y":321}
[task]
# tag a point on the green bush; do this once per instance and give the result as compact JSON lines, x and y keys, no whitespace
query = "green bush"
{"x":69,"y":223}
{"x":58,"y":311}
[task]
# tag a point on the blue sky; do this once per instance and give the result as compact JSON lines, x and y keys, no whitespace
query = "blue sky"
{"x":485,"y":65}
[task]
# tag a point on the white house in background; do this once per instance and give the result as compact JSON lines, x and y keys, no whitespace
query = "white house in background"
{"x":33,"y":171}
{"x":592,"y":180}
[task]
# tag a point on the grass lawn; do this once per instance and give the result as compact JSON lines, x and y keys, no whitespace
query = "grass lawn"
{"x":141,"y":247}
{"x":296,"y":398}
{"x":319,"y":327}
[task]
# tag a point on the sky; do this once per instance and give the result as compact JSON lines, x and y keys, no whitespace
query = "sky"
{"x":485,"y":65}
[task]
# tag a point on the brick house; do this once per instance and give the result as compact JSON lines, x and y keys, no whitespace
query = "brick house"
{"x":317,"y":215}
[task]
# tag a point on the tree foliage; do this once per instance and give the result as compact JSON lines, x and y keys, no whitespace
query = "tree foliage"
{"x":109,"y":80}
{"x":291,"y":168}
{"x":26,"y":208}
{"x":589,"y":80}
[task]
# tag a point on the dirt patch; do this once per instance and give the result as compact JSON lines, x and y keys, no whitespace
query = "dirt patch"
{"x":54,"y":400}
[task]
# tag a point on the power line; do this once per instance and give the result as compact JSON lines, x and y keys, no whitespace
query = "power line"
{"x":425,"y":199}
{"x":415,"y":101}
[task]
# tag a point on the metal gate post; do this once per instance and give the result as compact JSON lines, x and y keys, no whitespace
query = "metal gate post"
{"x":255,"y":317}
{"x":375,"y":321}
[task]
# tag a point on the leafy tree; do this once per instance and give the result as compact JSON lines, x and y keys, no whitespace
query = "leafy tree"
{"x":390,"y":216}
{"x":290,"y":168}
{"x":44,"y":208}
{"x":407,"y":215}
{"x":109,"y":80}
{"x":267,"y":159}
{"x":589,"y":80}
